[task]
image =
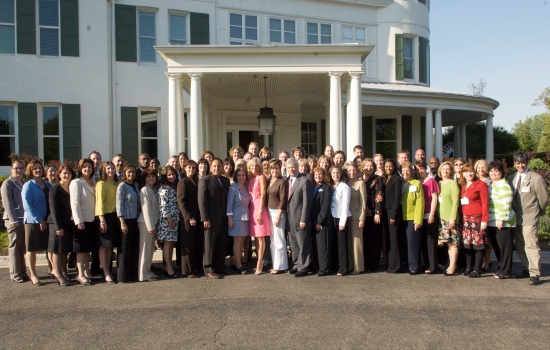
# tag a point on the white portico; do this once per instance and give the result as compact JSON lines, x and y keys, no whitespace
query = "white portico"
{"x":229,"y":78}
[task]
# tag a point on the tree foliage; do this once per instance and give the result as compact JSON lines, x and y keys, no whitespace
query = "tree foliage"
{"x":530,"y":131}
{"x":478,"y":88}
{"x":504,"y":141}
{"x":543,"y":99}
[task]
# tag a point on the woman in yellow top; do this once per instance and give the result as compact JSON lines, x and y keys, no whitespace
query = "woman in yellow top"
{"x":109,"y":227}
{"x":412,"y":204}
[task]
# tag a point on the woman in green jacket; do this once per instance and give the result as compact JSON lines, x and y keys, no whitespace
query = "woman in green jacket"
{"x":412,"y":204}
{"x":449,"y":197}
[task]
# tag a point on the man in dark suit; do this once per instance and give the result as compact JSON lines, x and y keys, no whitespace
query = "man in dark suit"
{"x":299,"y":205}
{"x":143,"y":161}
{"x":212,"y":195}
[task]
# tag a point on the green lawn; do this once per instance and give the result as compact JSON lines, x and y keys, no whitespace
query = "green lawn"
{"x":3,"y":240}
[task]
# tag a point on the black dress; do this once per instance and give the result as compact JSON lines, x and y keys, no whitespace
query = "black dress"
{"x":60,"y":206}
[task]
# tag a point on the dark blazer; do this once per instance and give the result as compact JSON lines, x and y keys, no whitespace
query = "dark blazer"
{"x":213,"y":200}
{"x":393,"y":196}
{"x":60,"y":207}
{"x":320,"y":208}
{"x":299,"y":203}
{"x":188,"y":201}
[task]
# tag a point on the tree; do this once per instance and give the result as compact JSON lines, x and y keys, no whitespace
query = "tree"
{"x":543,"y":99}
{"x":504,"y":141}
{"x":529,"y":132}
{"x":477,"y":89}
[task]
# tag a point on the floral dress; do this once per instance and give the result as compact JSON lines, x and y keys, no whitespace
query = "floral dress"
{"x":168,"y":207}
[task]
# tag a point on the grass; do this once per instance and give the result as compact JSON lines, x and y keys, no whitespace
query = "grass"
{"x":4,"y":241}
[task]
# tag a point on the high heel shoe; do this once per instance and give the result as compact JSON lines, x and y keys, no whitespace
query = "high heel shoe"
{"x":83,"y":281}
{"x":467,"y":272}
{"x":174,"y":275}
{"x":474,"y":274}
{"x":62,"y":284}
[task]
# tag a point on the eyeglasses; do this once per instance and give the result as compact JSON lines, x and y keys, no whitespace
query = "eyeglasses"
{"x":459,"y":164}
{"x":18,"y":168}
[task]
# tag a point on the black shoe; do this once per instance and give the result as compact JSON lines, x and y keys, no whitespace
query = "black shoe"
{"x":292,"y":271}
{"x":474,"y":274}
{"x":523,"y":274}
{"x":227,"y":271}
{"x":300,"y":274}
{"x":534,"y":281}
{"x":322,"y":273}
{"x":449,"y":274}
{"x":412,"y":273}
{"x":467,"y":272}
{"x":243,"y":270}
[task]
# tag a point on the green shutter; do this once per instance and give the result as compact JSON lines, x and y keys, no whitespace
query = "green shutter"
{"x":69,"y":28}
{"x":399,"y":66}
{"x":28,"y":128}
{"x":129,"y":132}
{"x":423,"y":57}
{"x":26,"y":27}
{"x":406,"y":132}
{"x":126,"y":42}
{"x":367,"y":136}
{"x":72,"y":148}
{"x":200,"y":28}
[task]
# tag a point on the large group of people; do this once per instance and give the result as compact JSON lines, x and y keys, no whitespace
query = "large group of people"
{"x":335,"y":216}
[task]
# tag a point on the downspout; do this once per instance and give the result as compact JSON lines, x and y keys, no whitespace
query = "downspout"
{"x":113,"y":128}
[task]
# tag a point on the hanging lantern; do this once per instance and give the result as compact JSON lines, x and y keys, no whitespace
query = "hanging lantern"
{"x":266,"y":119}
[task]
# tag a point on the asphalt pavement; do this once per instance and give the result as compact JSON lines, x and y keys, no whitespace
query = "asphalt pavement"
{"x":368,"y":311}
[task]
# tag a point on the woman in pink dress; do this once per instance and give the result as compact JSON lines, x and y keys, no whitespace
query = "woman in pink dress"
{"x":259,"y":218}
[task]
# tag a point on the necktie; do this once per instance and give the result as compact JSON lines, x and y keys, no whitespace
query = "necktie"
{"x":518,"y":184}
{"x":220,"y":182}
{"x":290,"y":185}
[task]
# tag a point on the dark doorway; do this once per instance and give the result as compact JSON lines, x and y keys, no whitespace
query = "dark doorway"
{"x":245,"y":137}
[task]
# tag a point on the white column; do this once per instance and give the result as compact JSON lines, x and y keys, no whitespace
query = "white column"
{"x":438,"y":135}
{"x":207,"y":145}
{"x":173,"y":104}
{"x":489,"y":141}
{"x":195,"y":121}
{"x":335,"y":111}
{"x":456,"y":140}
{"x":355,"y":118}
{"x":348,"y":147}
{"x":429,"y":134}
{"x":181,"y":121}
{"x":266,"y":141}
{"x":463,"y":154}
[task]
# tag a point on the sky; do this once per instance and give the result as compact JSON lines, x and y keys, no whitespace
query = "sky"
{"x":504,"y":42}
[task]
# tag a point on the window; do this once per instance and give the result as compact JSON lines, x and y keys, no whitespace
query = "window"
{"x":7,"y":26}
{"x":48,"y":22}
{"x":178,"y":34}
{"x":386,"y":137}
{"x":319,"y":33}
{"x":408,"y":59}
{"x":7,"y":133}
{"x":282,"y":31}
{"x":149,"y":132}
{"x":353,"y":35}
{"x":309,"y":137}
{"x":243,"y":29}
{"x":147,"y":37}
{"x":51,"y":140}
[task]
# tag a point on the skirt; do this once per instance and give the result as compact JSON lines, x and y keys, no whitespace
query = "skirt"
{"x":241,"y":228}
{"x":61,"y":244}
{"x":84,"y":240}
{"x":36,"y":240}
{"x":472,"y":235}
{"x":448,"y":235}
{"x":111,"y":238}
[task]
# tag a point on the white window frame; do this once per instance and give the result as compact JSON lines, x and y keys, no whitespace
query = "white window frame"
{"x":154,"y":12}
{"x":14,"y":25}
{"x":4,"y":169}
{"x":354,"y":39}
{"x":414,"y":58}
{"x":48,"y":27}
{"x":243,"y":40}
{"x":149,"y":109}
{"x":318,"y":132}
{"x":41,"y":136}
{"x":319,"y":36}
{"x":397,"y":133}
{"x":282,"y":20}
{"x":187,"y":26}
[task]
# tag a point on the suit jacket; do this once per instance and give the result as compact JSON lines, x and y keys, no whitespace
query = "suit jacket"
{"x":213,"y":201}
{"x":393,"y":196}
{"x":36,"y":205}
{"x":149,"y":201}
{"x":299,"y":203}
{"x":320,"y":208}
{"x":60,"y":206}
{"x":188,"y":202}
{"x":82,"y":201}
{"x":358,"y":200}
{"x":12,"y":201}
{"x":529,"y":206}
{"x":238,"y":203}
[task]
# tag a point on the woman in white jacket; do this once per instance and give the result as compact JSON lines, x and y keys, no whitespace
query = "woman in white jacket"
{"x":82,"y":191}
{"x":147,"y":222}
{"x":340,"y":212}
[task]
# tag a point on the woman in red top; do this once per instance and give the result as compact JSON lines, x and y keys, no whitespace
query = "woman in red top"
{"x":474,"y":198}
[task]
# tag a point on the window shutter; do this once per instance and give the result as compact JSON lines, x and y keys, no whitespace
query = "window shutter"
{"x":72,"y":149}
{"x":69,"y":28}
{"x":406,"y":132}
{"x":399,"y":67}
{"x":423,"y":57}
{"x":26,"y":27}
{"x":200,"y":28}
{"x":126,"y":40}
{"x":129,"y":132}
{"x":28,"y":128}
{"x":367,"y":135}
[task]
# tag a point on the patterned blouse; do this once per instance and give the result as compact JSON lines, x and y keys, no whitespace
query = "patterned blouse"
{"x":375,"y":195}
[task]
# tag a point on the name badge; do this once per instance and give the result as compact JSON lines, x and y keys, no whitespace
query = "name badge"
{"x":464,"y":201}
{"x":440,"y":199}
{"x":412,"y":189}
{"x":321,"y":190}
{"x":526,"y":189}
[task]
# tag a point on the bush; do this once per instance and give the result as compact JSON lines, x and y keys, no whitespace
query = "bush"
{"x":2,"y":178}
{"x":544,"y":228}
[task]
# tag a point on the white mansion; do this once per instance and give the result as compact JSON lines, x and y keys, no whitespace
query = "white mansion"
{"x":132,"y":76}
